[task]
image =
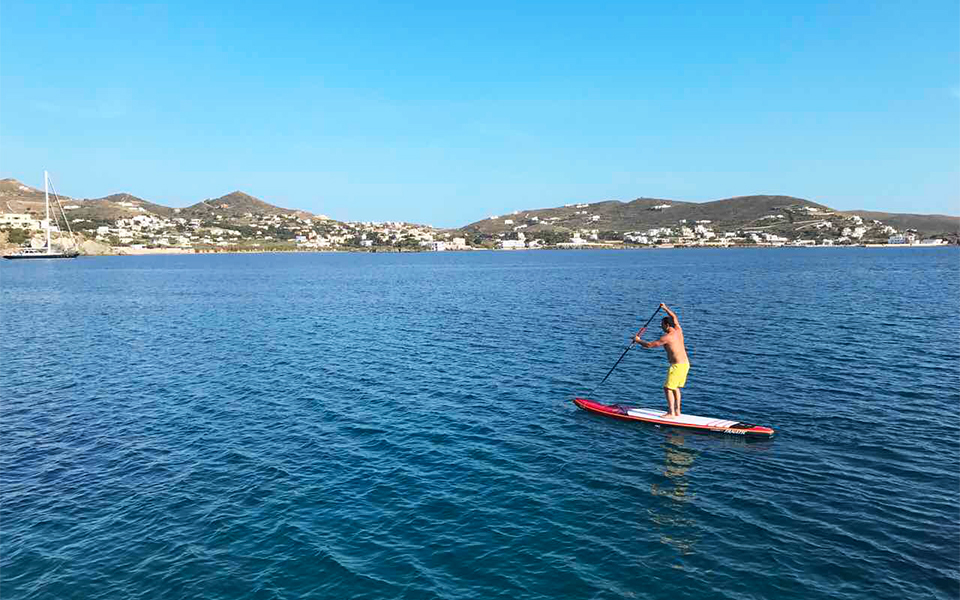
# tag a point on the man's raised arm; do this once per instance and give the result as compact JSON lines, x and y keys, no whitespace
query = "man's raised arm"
{"x":673,"y":315}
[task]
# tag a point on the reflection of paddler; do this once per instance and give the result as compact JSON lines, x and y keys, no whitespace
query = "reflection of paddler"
{"x":674,"y":528}
{"x":678,"y":461}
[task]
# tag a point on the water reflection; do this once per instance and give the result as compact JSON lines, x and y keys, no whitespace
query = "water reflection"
{"x":673,"y":495}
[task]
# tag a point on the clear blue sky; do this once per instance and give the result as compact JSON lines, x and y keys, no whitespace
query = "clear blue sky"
{"x":445,"y":114}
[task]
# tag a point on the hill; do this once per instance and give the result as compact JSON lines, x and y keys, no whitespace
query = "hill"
{"x":236,"y":205}
{"x":930,"y":225}
{"x":646,"y":213}
{"x":769,"y":217}
{"x":15,"y":197}
{"x":115,"y":206}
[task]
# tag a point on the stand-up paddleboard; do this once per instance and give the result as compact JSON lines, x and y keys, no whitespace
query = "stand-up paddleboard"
{"x":688,"y":422}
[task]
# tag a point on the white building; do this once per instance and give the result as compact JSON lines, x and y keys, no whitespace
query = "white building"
{"x":902,"y":238}
{"x":773,"y":239}
{"x":21,"y":221}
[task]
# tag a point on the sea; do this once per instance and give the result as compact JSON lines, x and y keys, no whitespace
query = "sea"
{"x":401,"y":426}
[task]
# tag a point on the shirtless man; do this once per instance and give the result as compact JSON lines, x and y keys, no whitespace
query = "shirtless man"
{"x":677,"y":354}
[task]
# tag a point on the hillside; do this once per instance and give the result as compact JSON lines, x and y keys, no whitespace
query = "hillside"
{"x":113,"y":207}
{"x":646,"y":213}
{"x":933,"y":225}
{"x":770,"y":218}
{"x":236,"y":205}
{"x":16,"y":197}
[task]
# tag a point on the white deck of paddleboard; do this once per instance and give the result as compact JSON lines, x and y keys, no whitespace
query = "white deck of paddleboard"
{"x":661,"y":415}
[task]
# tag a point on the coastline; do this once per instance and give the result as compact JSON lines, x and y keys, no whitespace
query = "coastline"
{"x":122,"y":251}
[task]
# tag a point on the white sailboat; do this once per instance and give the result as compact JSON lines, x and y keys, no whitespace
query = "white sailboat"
{"x":47,"y":252}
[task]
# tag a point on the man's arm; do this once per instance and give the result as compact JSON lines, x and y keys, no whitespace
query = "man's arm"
{"x":655,"y":344}
{"x":673,"y":315}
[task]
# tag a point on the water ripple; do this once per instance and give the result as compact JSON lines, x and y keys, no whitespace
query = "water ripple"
{"x":371,"y":426}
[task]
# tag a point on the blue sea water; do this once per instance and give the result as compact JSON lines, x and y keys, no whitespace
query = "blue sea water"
{"x":401,"y":426}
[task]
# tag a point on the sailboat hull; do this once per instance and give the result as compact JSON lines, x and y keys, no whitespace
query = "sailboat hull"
{"x":39,"y":255}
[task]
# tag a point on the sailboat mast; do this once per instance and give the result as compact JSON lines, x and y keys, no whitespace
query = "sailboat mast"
{"x":46,"y":196}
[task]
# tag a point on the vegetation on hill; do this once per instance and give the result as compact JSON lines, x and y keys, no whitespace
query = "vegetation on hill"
{"x":929,"y":225}
{"x":235,"y":204}
{"x":780,"y":216}
{"x":238,"y":218}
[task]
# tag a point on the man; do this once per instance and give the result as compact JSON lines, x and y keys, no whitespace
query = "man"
{"x":677,"y":355}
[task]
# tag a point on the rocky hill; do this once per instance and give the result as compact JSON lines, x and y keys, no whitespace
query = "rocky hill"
{"x":782,"y":215}
{"x":788,"y":216}
{"x":236,"y":204}
{"x":15,"y":197}
{"x":930,"y":225}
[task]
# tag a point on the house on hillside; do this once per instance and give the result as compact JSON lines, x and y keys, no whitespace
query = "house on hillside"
{"x":20,"y":221}
{"x":902,"y":238}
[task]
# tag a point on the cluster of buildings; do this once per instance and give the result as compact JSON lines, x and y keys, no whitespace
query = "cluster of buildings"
{"x":372,"y":234}
{"x":817,"y":227}
{"x":145,"y":229}
{"x":255,"y":230}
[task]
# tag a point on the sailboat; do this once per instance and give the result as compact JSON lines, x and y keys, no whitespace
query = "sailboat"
{"x":48,"y":252}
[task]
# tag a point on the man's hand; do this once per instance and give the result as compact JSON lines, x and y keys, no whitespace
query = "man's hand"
{"x":663,"y":306}
{"x":636,"y":338}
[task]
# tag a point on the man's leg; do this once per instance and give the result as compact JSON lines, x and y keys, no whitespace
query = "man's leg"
{"x":669,"y":396}
{"x":677,"y":411}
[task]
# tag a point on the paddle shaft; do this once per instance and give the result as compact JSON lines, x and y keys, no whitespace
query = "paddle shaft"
{"x":624,"y":352}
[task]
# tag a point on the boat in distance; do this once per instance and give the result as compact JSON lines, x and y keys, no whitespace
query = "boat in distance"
{"x":27,"y":253}
{"x":47,"y":251}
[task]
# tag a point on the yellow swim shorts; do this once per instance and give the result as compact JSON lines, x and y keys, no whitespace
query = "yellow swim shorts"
{"x":677,"y":376}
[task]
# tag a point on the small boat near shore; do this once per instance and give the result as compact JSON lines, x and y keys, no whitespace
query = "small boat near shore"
{"x":34,"y":253}
{"x":47,"y":252}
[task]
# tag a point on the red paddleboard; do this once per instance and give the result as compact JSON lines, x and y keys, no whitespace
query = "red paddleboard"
{"x":688,"y":422}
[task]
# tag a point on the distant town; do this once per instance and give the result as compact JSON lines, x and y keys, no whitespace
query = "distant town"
{"x":294,"y":232}
{"x":823,"y":228}
{"x":124,"y":224}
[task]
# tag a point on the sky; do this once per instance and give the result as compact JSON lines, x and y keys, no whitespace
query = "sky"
{"x":446,"y":113}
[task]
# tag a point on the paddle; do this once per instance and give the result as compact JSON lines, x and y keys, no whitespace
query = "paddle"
{"x":634,"y":343}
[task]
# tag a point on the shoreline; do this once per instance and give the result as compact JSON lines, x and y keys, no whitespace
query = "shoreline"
{"x":193,"y":252}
